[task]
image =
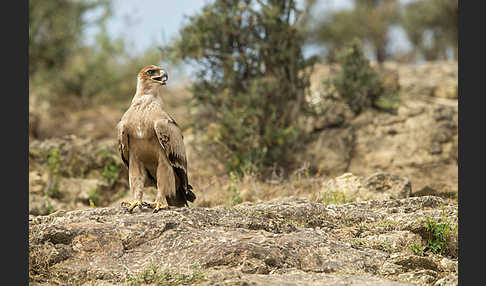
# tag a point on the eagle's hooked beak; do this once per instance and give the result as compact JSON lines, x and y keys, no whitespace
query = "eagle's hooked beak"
{"x":162,"y":78}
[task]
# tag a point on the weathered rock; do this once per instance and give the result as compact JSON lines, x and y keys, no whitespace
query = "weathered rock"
{"x":448,"y":265}
{"x":286,"y":240}
{"x":450,"y":280}
{"x":379,"y":186}
{"x":419,"y":142}
{"x":394,"y":241}
{"x":296,"y":277}
{"x":423,"y":79}
{"x":421,"y":277}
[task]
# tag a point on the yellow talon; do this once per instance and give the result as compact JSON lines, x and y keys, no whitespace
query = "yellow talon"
{"x":157,"y":206}
{"x":132,"y":205}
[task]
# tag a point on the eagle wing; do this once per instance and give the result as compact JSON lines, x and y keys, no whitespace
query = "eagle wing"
{"x":172,"y":142}
{"x":123,"y":143}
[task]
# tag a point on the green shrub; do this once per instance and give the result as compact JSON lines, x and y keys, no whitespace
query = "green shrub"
{"x":251,"y":79}
{"x":56,"y":28}
{"x":49,"y":207}
{"x":438,"y":241}
{"x":359,"y":84}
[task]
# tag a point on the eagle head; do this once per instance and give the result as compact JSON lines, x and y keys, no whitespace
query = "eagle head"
{"x":152,"y":76}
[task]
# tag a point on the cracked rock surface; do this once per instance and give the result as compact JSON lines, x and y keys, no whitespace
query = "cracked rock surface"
{"x":286,"y":241}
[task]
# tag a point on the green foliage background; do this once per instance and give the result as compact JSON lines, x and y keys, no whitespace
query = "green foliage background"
{"x":249,"y":96}
{"x":252,"y":79}
{"x":64,"y":70}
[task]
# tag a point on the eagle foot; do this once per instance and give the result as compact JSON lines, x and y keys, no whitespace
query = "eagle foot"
{"x":131,"y":205}
{"x":157,"y":206}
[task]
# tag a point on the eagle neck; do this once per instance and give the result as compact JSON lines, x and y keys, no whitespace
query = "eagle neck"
{"x":146,"y":93}
{"x":145,"y":97}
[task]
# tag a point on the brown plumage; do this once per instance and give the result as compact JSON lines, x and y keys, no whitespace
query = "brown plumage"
{"x":151,"y":145}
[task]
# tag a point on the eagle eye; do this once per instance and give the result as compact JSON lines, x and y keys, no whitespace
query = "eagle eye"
{"x":150,"y":72}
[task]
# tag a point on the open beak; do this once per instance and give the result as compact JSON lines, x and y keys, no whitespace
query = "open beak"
{"x":162,"y":78}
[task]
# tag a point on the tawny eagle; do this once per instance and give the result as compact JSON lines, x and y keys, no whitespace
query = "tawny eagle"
{"x":151,"y":146}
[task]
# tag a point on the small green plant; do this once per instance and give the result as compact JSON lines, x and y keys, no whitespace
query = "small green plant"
{"x":233,"y":192}
{"x":334,"y":197}
{"x":154,"y":275}
{"x":439,"y":230}
{"x":417,"y":249}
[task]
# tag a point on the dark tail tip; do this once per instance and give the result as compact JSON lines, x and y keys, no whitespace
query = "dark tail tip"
{"x":190,"y":196}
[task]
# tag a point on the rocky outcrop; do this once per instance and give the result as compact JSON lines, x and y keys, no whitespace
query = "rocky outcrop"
{"x":420,"y":141}
{"x":285,"y":241}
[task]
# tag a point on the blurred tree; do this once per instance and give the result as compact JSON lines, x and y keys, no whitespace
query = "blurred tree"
{"x":432,"y":27}
{"x":252,"y":78}
{"x":66,"y":71}
{"x":55,"y":30}
{"x":368,"y":20}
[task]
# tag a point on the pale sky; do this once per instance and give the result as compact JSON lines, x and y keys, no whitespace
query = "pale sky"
{"x":147,"y":22}
{"x":155,"y":22}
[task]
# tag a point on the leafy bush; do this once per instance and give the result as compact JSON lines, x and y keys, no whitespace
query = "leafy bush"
{"x":251,"y":79}
{"x":359,"y":84}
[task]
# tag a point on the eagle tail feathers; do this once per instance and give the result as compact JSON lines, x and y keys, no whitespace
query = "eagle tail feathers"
{"x":190,"y":196}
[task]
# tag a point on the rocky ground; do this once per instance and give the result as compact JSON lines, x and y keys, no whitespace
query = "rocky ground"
{"x":291,"y":241}
{"x":381,"y":209}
